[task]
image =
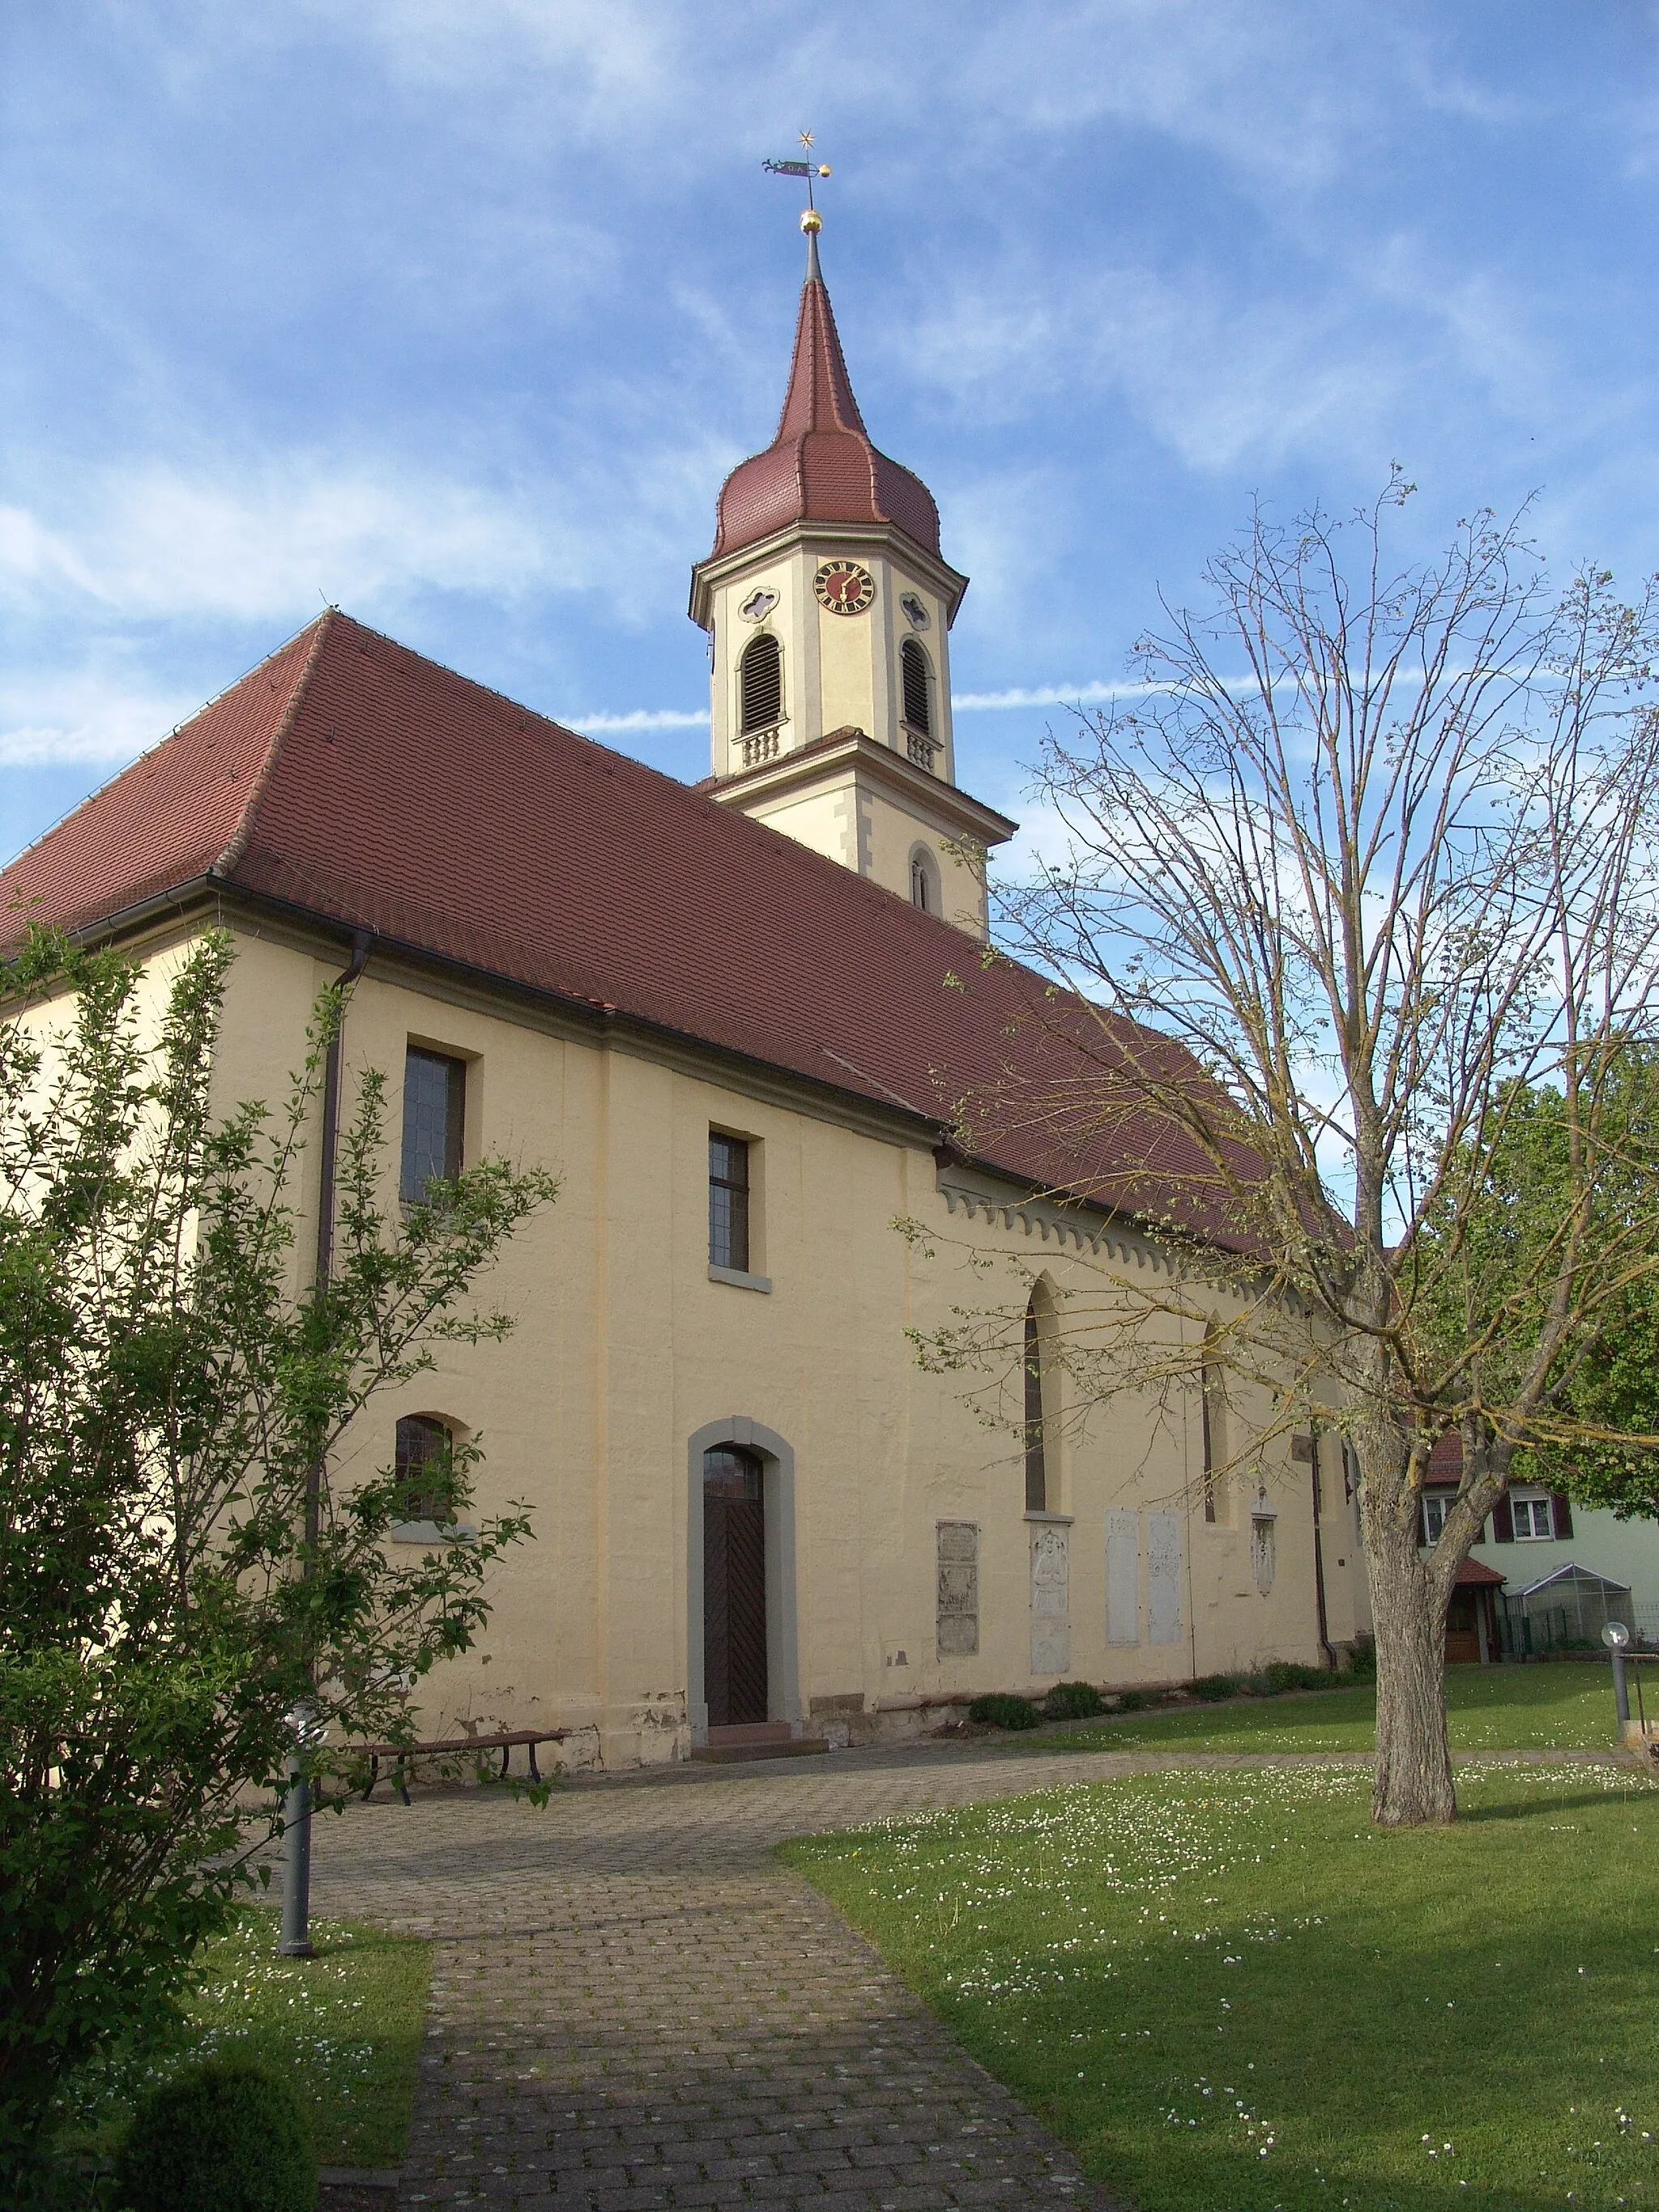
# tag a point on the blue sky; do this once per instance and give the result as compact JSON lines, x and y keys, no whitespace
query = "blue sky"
{"x":456,"y":312}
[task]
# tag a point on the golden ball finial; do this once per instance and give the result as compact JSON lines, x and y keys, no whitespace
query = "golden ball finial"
{"x":810,"y":221}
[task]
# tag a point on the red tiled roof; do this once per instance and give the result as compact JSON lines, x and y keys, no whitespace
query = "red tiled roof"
{"x":821,"y":467}
{"x":1473,"y":1575}
{"x":352,"y":778}
{"x":1446,"y":1459}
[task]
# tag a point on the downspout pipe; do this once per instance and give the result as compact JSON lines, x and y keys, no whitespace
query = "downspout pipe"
{"x":295,"y":1942}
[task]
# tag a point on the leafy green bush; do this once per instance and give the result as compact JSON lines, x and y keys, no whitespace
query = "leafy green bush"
{"x":1213,"y":1687}
{"x":1135,"y":1701}
{"x":171,"y":1388}
{"x":1281,"y":1674}
{"x":1363,"y":1665}
{"x":223,"y":2137}
{"x":1004,"y":1712}
{"x":1073,"y":1701}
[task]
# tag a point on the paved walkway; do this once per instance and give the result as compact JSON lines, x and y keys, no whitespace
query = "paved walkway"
{"x":634,"y":2005}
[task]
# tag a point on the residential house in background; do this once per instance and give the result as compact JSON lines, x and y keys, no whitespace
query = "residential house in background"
{"x":1547,"y":1572}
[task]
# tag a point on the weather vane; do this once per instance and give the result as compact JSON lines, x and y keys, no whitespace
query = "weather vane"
{"x":810,"y":221}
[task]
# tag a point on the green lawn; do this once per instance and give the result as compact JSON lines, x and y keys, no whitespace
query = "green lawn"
{"x":1553,"y":1707}
{"x":345,"y":2028}
{"x":1231,"y":1994}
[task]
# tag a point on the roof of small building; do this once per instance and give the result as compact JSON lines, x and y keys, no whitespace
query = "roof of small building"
{"x":1473,"y":1576}
{"x":1580,"y":1577}
{"x":821,"y":466}
{"x":357,"y":782}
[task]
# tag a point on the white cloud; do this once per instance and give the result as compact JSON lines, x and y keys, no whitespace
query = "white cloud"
{"x":150,"y":539}
{"x":96,"y":717}
{"x":279,"y":538}
{"x":1046,"y":694}
{"x":639,"y":717}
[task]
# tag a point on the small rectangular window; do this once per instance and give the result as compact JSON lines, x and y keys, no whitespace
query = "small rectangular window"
{"x":434,"y":1115}
{"x":728,"y":1203}
{"x":1435,"y":1509}
{"x":1532,"y":1519}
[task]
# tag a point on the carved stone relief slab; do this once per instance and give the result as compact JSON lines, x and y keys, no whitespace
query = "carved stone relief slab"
{"x":1164,"y":1577}
{"x":1051,"y":1627}
{"x":958,"y":1589}
{"x":1123,"y":1578}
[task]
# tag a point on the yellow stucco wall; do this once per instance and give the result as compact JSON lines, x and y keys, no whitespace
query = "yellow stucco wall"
{"x":625,"y":1349}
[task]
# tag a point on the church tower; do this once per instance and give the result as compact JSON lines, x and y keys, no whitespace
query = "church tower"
{"x":830,"y":608}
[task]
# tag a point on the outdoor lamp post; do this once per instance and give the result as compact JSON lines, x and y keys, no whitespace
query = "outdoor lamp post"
{"x":1616,"y":1636}
{"x":295,"y":1943}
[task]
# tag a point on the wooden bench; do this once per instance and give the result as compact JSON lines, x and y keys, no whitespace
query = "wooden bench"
{"x":450,"y":1747}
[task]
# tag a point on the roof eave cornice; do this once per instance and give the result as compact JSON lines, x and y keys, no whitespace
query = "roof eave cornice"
{"x":862,"y":753}
{"x":709,"y":574}
{"x":210,"y":896}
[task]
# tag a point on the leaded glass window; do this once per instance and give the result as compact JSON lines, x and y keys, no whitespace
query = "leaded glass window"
{"x":435,"y":1112}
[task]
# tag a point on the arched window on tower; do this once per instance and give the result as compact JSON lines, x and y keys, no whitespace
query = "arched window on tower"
{"x":916,"y":682}
{"x":760,"y":684}
{"x":1037,"y":1455}
{"x":924,"y":881}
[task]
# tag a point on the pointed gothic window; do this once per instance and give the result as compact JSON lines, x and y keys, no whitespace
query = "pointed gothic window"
{"x":1036,"y":1458}
{"x":760,"y":682}
{"x":918,"y":706}
{"x":1212,"y":1435}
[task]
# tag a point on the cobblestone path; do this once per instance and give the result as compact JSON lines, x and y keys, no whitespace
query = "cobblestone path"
{"x":634,"y":2005}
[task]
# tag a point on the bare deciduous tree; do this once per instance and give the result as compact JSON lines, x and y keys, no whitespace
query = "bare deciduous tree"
{"x":1374,"y":846}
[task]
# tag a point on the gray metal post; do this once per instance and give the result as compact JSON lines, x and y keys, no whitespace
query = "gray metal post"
{"x":1620,"y":1688}
{"x":296,"y":1864}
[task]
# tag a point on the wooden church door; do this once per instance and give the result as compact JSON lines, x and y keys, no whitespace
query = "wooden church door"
{"x":733,"y":1587}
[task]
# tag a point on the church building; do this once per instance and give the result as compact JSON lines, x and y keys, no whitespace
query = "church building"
{"x":736,"y":1021}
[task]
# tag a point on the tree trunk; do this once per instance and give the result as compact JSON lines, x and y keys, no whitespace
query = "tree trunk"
{"x":1413,"y":1780}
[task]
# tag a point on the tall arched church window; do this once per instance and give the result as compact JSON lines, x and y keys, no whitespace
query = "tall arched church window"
{"x":1037,"y":1457}
{"x":760,"y":682}
{"x":1213,"y":1419}
{"x":918,"y":701}
{"x":924,"y":881}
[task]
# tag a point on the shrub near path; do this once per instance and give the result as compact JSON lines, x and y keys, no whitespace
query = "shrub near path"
{"x":1228,"y":1990}
{"x":1563,"y":1707}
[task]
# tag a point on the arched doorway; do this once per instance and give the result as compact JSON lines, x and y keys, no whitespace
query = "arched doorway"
{"x":731,"y":1451}
{"x":734,"y":1586}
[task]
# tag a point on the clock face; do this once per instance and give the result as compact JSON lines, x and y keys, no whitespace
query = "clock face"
{"x":846,"y":587}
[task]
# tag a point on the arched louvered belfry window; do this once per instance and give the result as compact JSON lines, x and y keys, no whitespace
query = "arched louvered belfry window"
{"x":918,"y":703}
{"x":760,"y":682}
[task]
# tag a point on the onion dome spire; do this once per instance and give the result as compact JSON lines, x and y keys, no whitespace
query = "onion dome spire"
{"x":821,"y":466}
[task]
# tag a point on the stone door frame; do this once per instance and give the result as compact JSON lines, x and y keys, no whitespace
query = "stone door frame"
{"x":777,"y":1459}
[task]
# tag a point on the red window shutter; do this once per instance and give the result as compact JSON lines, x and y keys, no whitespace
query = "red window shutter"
{"x":1502,"y":1521}
{"x":1561,"y":1515}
